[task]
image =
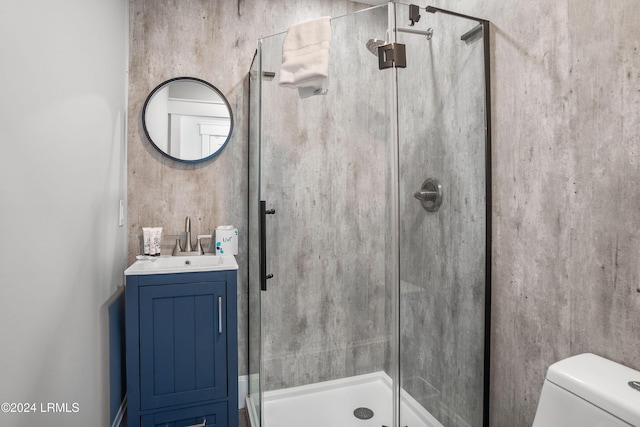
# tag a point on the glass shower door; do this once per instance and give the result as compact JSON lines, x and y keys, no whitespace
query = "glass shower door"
{"x":324,"y":176}
{"x":253,"y":400}
{"x":443,"y":248}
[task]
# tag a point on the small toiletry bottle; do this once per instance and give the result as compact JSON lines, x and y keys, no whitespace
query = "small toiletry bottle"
{"x":226,"y":238}
{"x":157,"y":241}
{"x":146,"y":236}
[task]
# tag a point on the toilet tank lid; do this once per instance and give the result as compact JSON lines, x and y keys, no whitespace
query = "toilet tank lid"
{"x":602,"y":382}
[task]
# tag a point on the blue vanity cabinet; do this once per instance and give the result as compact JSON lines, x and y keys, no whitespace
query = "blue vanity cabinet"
{"x":182,"y":349}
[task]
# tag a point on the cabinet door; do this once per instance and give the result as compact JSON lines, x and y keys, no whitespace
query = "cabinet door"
{"x":214,"y":415}
{"x":183,"y":343}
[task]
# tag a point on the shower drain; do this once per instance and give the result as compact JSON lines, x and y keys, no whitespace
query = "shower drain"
{"x":363,"y":413}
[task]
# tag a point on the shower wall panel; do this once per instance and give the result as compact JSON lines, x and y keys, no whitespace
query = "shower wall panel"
{"x":215,"y":41}
{"x":325,"y":172}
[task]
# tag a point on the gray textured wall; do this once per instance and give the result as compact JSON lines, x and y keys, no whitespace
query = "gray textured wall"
{"x":565,"y":166}
{"x":566,"y":206}
{"x":215,"y":41}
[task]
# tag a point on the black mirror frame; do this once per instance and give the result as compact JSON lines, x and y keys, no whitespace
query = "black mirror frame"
{"x":195,"y":79}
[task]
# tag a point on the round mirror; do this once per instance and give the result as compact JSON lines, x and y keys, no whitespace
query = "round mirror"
{"x":187,"y":119}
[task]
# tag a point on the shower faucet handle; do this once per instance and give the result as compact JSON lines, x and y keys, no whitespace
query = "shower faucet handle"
{"x":425,"y":195}
{"x":430,"y":194}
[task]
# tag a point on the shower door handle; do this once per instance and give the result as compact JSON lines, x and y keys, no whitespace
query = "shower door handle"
{"x":263,"y":244}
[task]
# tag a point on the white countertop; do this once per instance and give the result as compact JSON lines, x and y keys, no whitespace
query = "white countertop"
{"x":182,"y":264}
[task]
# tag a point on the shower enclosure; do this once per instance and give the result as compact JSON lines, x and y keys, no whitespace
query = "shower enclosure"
{"x":370,"y":228}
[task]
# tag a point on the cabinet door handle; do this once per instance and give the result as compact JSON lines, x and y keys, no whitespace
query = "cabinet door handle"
{"x":219,"y":319}
{"x":204,"y":424}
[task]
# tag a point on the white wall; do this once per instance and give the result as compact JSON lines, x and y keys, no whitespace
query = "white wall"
{"x":62,"y":173}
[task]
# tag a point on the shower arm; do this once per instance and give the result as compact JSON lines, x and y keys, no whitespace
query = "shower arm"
{"x":412,"y":31}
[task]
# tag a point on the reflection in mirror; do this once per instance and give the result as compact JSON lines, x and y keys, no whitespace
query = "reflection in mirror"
{"x":187,"y":119}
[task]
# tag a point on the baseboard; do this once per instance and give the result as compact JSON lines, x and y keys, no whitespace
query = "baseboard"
{"x":243,"y":390}
{"x":117,"y":421}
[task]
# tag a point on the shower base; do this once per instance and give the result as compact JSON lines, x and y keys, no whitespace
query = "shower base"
{"x":340,"y":403}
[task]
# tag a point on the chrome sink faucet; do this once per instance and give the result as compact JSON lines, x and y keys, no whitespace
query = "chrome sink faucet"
{"x":188,"y":248}
{"x":187,"y":230}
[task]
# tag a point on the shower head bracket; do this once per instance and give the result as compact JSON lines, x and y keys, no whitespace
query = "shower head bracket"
{"x":414,"y":14}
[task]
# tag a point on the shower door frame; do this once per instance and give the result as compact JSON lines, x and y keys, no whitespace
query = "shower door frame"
{"x":486,"y":40}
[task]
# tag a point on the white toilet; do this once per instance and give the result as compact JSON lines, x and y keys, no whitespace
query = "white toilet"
{"x":589,"y":391}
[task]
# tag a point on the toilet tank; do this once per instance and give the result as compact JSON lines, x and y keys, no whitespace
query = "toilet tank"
{"x":588,"y":390}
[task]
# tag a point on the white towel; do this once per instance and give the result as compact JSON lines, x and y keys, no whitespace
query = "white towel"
{"x":305,"y":57}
